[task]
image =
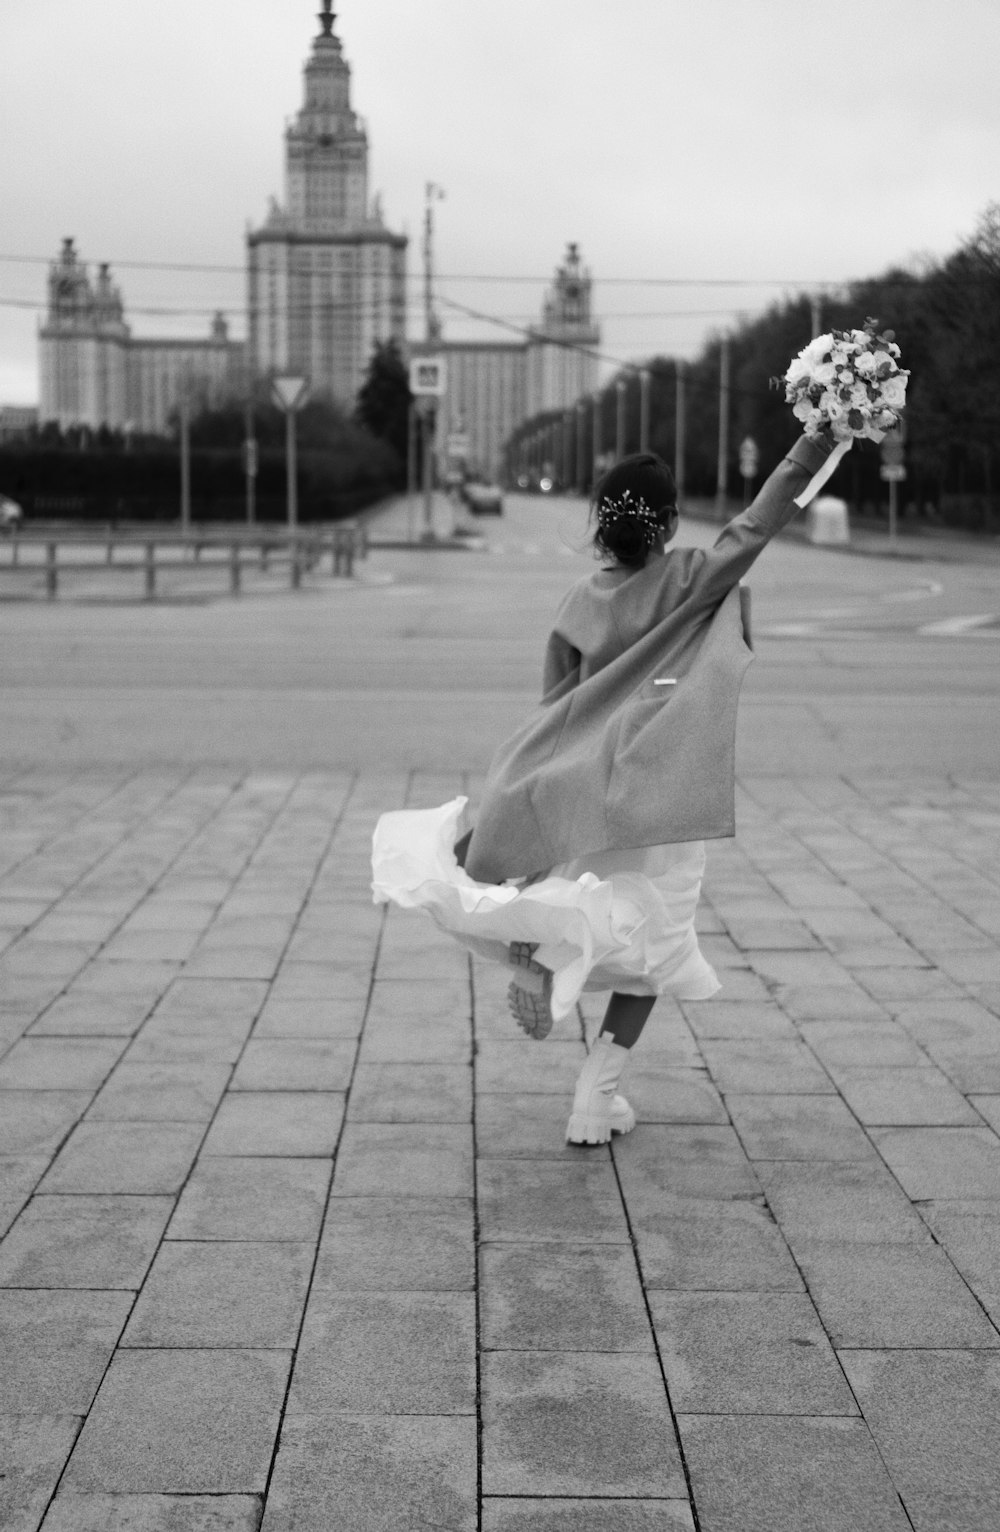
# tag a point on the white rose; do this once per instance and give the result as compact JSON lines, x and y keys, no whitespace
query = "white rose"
{"x":893,"y":391}
{"x":798,"y":372}
{"x":859,"y":396}
{"x":865,"y":364}
{"x":802,"y":409}
{"x":824,"y":374}
{"x":818,"y":349}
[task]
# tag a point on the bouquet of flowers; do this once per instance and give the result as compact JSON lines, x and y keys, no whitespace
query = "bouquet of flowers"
{"x":850,"y":384}
{"x":849,"y":381}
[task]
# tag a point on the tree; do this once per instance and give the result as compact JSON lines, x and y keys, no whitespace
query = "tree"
{"x":384,"y":398}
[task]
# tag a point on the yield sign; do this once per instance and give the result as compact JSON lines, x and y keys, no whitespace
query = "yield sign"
{"x":290,"y":393}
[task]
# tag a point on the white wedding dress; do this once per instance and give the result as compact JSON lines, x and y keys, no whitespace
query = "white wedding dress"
{"x":618,"y":920}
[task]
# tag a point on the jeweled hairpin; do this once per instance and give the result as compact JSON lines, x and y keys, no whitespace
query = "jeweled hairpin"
{"x":627,"y":504}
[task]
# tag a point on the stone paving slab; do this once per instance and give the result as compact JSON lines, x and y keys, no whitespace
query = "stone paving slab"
{"x":153,"y":1513}
{"x":280,"y":1181}
{"x":577,"y":1423}
{"x":594,"y":1515}
{"x":774,"y":1473}
{"x":934,"y":1418}
{"x":393,"y":1473}
{"x":182,"y":1422}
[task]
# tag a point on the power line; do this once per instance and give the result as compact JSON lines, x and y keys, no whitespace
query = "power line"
{"x":468,"y":276}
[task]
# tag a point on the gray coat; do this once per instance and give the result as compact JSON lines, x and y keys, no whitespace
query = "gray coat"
{"x":610,"y":759}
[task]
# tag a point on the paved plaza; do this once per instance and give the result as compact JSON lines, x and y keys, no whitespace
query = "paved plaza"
{"x":294,"y":1242}
{"x":289,"y":1236}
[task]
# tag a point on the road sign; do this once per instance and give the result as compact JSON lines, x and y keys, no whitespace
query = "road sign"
{"x":290,"y":393}
{"x":428,"y":376}
{"x":892,"y":473}
{"x":458,"y":444}
{"x":749,"y":458}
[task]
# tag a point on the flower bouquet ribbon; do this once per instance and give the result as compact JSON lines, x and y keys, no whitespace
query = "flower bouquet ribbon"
{"x":849,"y":384}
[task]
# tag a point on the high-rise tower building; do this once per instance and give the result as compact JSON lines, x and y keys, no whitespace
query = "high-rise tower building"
{"x":326,"y":278}
{"x":561,"y":366}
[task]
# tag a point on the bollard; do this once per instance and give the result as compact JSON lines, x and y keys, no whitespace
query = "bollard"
{"x":234,"y":570}
{"x":343,"y":551}
{"x":827,"y":521}
{"x":150,"y":571}
{"x":51,"y":574}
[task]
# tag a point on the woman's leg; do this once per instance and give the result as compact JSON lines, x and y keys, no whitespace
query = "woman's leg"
{"x":626,"y":1016}
{"x":598,"y":1109}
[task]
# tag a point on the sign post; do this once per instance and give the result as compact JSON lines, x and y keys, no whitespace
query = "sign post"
{"x":893,"y":471}
{"x":428,"y":382}
{"x":290,"y":394}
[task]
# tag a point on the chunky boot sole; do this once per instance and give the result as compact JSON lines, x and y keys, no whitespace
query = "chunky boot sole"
{"x":598,"y":1127}
{"x":531,"y":1006}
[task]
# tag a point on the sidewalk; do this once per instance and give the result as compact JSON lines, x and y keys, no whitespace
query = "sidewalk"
{"x":293,"y":1240}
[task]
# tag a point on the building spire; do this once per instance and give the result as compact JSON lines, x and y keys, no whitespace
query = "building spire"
{"x":326,"y":18}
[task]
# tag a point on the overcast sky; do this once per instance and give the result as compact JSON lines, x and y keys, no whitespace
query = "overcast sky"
{"x":773,"y":142}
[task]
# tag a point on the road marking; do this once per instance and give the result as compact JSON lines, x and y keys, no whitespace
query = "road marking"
{"x":954,"y":627}
{"x":923,"y":590}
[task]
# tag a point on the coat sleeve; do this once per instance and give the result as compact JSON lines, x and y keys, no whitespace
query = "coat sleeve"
{"x":748,"y":534}
{"x":562,"y":666}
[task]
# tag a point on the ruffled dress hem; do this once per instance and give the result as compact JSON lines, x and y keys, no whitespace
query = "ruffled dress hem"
{"x":618,"y":928}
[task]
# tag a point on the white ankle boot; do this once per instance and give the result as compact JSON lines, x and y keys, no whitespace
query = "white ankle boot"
{"x":597,"y":1110}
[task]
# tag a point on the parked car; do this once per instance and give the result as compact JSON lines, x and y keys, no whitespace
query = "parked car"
{"x":11,"y":514}
{"x":483,"y":499}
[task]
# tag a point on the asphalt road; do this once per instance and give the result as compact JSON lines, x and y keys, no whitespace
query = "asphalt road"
{"x":863,"y":665}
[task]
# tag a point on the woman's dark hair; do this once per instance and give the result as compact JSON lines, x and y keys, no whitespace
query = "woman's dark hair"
{"x":630,"y":504}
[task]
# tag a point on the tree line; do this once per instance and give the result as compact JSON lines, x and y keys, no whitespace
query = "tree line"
{"x":946,"y":317}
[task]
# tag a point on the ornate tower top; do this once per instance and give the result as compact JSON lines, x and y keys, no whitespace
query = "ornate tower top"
{"x":327,"y":17}
{"x":568,"y":299}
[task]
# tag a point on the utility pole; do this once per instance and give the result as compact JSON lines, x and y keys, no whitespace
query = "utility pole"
{"x":723,"y":459}
{"x":816,"y":313}
{"x":581,"y":482}
{"x":619,"y":420}
{"x":185,"y":441}
{"x":644,"y":409}
{"x":250,"y":464}
{"x":432,"y":325}
{"x":595,"y":438}
{"x":680,"y":429}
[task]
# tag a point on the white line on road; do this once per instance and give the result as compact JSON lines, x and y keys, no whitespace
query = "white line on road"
{"x":952,"y":627}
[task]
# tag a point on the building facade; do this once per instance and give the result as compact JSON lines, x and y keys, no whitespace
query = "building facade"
{"x":326,"y":278}
{"x":492,"y":386}
{"x":561,"y":359}
{"x":95,"y":373}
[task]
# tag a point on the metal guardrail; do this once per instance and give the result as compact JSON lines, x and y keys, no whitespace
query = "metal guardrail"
{"x":344,"y":543}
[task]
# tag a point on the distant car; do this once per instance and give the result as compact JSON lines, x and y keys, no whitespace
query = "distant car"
{"x":483,"y":499}
{"x":11,"y":514}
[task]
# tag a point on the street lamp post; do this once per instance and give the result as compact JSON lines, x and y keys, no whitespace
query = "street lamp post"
{"x":290,"y":394}
{"x":595,"y":444}
{"x":185,"y":435}
{"x":644,"y":410}
{"x":580,"y":444}
{"x":619,"y":419}
{"x":680,"y":430}
{"x":722,"y":466}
